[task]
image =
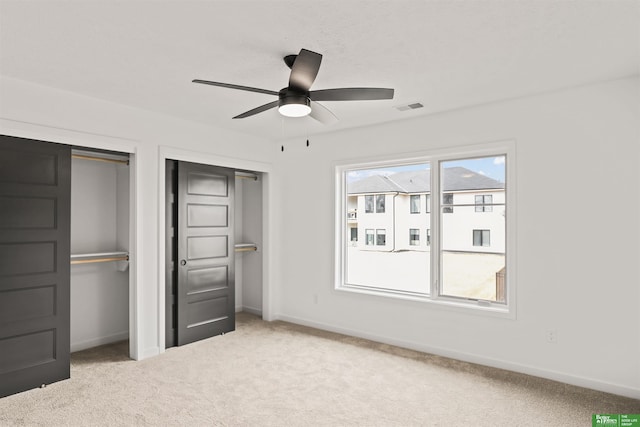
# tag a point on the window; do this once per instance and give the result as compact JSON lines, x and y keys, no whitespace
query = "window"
{"x":380,"y":203}
{"x":482,"y":201}
{"x":414,"y":237}
{"x":465,"y":262}
{"x":415,"y":204}
{"x":447,"y":199}
{"x":481,"y":237}
{"x":369,"y":233}
{"x":368,"y":204}
{"x":354,"y":234}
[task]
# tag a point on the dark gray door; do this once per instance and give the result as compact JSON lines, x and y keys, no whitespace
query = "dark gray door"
{"x":35,"y":194}
{"x":206,"y":272}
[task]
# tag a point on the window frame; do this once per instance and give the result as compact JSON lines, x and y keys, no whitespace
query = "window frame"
{"x":369,"y":232}
{"x":414,"y":232}
{"x":369,"y":207}
{"x":483,"y":206}
{"x":447,"y":209}
{"x":481,"y":232}
{"x":381,"y":203}
{"x":413,"y":197}
{"x":506,"y":149}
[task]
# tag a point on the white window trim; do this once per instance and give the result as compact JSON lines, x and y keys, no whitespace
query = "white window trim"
{"x":490,"y":308}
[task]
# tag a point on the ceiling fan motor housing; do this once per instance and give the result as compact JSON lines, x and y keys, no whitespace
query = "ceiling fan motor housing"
{"x":287,"y":96}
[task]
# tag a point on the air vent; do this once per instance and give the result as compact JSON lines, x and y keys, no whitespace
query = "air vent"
{"x":410,"y":106}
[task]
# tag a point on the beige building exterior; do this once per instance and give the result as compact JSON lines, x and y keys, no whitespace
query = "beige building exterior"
{"x":393,"y":213}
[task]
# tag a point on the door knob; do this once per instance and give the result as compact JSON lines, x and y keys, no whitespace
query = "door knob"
{"x":183,"y":262}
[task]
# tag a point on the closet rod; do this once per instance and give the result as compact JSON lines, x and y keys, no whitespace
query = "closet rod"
{"x":99,"y":159}
{"x":99,"y":257}
{"x":246,"y":176}
{"x":246,"y":247}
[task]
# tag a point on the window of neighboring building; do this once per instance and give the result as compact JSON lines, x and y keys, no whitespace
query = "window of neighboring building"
{"x":414,"y":237}
{"x":483,"y":203}
{"x":354,"y":234}
{"x":466,"y":263}
{"x":481,"y":237}
{"x":447,"y":199}
{"x":369,"y":237}
{"x":414,"y":201}
{"x":380,"y":201}
{"x":368,"y":204}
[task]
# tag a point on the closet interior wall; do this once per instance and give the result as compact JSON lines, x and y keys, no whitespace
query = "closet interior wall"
{"x":99,"y":223}
{"x":248,"y":220}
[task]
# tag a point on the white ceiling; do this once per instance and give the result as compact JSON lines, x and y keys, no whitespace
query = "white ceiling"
{"x":445,"y":54}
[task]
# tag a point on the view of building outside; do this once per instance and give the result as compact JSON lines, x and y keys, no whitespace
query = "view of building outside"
{"x":389,"y":228}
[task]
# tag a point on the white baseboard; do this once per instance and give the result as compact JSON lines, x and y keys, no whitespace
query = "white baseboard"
{"x":252,"y":310}
{"x":95,"y":342}
{"x":474,"y":358}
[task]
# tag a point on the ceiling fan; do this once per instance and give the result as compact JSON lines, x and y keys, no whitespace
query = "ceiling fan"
{"x":296,"y":100}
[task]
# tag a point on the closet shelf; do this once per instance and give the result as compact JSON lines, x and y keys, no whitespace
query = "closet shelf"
{"x":99,"y":257}
{"x":246,"y":247}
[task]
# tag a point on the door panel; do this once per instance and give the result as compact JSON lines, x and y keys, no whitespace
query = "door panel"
{"x":35,"y":194}
{"x":206,"y":270}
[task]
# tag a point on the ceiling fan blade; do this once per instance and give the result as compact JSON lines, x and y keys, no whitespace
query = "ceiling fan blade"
{"x":322,"y":114}
{"x":351,"y":94}
{"x":257,"y":110}
{"x":304,"y":70}
{"x":230,"y":86}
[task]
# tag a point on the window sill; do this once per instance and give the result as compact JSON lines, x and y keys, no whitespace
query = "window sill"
{"x":476,"y":307}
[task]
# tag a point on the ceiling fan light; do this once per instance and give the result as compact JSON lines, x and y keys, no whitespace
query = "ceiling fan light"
{"x":294,"y":106}
{"x":294,"y":110}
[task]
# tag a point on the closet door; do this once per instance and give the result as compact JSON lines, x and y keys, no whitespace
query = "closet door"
{"x":35,"y":194}
{"x":206,"y":272}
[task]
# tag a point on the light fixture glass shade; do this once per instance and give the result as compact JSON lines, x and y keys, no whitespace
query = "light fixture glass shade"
{"x":294,"y":110}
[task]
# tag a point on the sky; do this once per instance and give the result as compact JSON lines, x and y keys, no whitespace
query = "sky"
{"x":493,"y":167}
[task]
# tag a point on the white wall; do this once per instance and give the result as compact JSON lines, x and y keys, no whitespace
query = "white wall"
{"x":99,"y":223}
{"x":34,"y":111}
{"x":577,"y":247}
{"x":239,"y":229}
{"x":252,"y":230}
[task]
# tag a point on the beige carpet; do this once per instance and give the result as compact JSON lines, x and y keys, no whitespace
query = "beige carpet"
{"x":278,"y":374}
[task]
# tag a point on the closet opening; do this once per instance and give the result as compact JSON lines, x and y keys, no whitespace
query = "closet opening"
{"x":65,"y":242}
{"x":233,"y":275}
{"x":100,"y":222}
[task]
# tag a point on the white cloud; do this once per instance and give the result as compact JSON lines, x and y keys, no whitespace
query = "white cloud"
{"x":499,"y":160}
{"x":482,"y":173}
